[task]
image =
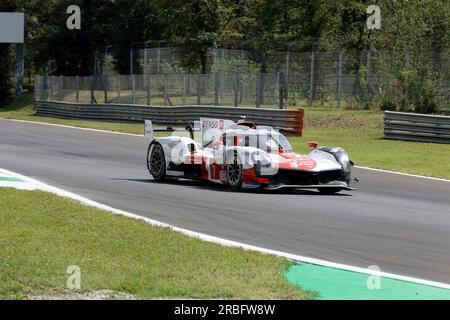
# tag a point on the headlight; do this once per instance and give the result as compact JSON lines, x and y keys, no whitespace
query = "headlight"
{"x":262,"y":158}
{"x":344,"y":157}
{"x":344,"y":160}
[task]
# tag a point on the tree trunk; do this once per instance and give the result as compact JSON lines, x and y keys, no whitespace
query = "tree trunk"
{"x":6,"y":65}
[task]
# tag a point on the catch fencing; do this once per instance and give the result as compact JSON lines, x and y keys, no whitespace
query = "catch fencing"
{"x":260,"y":90}
{"x":349,"y":79}
{"x":416,"y":127}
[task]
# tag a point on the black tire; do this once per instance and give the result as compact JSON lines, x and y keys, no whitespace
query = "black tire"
{"x":156,"y":162}
{"x":329,"y":190}
{"x":235,"y":173}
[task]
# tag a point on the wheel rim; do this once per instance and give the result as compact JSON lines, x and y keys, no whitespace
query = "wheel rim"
{"x":156,"y":162}
{"x":234,"y":173}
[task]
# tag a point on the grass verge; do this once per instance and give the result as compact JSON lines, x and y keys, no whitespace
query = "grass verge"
{"x":42,"y":234}
{"x":358,"y":131}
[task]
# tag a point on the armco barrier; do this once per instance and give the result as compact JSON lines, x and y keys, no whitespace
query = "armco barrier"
{"x":288,"y":121}
{"x":416,"y":127}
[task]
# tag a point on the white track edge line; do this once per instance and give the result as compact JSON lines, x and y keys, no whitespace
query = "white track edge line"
{"x":403,"y":174}
{"x":140,"y":135}
{"x":73,"y":127}
{"x":226,"y":242}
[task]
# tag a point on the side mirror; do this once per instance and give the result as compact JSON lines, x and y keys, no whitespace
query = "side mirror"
{"x":312,"y":144}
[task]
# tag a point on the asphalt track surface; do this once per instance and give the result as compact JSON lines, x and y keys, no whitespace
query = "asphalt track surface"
{"x":399,"y":223}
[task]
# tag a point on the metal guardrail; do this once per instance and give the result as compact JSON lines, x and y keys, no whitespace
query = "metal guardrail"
{"x":288,"y":121}
{"x":416,"y":127}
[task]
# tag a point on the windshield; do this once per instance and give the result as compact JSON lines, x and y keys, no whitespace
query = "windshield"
{"x":276,"y":142}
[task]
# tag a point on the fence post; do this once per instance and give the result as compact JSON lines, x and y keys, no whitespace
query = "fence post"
{"x":281,"y":93}
{"x":45,"y":87}
{"x":368,"y":69}
{"x":37,"y":88}
{"x":406,"y":67}
{"x":222,"y":66}
{"x":145,"y":57}
{"x":236,"y":90}
{"x":42,"y":87}
{"x":165,"y":88}
{"x":131,"y":60}
{"x":133,"y":89}
{"x":288,"y":56}
{"x":198,"y":90}
{"x":339,"y":80}
{"x":158,"y":58}
{"x":60,"y":88}
{"x":105,"y":88}
{"x":149,"y":88}
{"x":259,"y":89}
{"x":44,"y":75}
{"x":183,"y":90}
{"x":216,"y":89}
{"x":448,"y":91}
{"x":118,"y":88}
{"x":50,"y":88}
{"x":92,"y":89}
{"x":77,"y":92}
{"x":311,"y":75}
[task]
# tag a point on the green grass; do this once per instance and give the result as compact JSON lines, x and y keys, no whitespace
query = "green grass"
{"x":358,"y":131}
{"x":42,"y":234}
{"x":23,"y":109}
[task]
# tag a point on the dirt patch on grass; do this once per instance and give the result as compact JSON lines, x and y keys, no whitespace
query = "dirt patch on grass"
{"x":93,"y":295}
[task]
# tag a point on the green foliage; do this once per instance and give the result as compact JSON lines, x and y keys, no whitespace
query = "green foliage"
{"x":426,"y":100}
{"x":259,"y":26}
{"x":132,"y":22}
{"x":413,"y":91}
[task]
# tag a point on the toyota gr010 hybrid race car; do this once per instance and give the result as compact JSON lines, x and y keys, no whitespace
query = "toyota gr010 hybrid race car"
{"x":243,"y":155}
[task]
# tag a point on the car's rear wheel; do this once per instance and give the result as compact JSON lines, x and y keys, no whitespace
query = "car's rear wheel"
{"x":156,"y":162}
{"x":235,"y":172}
{"x":329,"y":190}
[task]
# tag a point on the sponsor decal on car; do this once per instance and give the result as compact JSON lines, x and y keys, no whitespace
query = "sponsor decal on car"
{"x":303,"y":163}
{"x":251,"y":185}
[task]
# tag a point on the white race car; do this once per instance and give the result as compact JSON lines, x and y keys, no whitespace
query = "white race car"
{"x":243,"y":155}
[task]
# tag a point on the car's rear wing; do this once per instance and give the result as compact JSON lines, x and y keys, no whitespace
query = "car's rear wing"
{"x":211,"y":129}
{"x":149,"y":130}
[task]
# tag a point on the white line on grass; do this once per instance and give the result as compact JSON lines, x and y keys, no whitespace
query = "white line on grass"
{"x":230,"y":243}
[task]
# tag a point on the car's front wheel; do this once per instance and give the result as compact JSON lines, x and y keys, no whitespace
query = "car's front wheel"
{"x":156,"y":162}
{"x":235,"y":174}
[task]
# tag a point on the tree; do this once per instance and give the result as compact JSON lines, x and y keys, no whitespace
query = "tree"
{"x":134,"y":23}
{"x":195,"y":24}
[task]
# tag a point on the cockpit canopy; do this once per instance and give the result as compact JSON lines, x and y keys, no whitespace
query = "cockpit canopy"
{"x":266,"y":140}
